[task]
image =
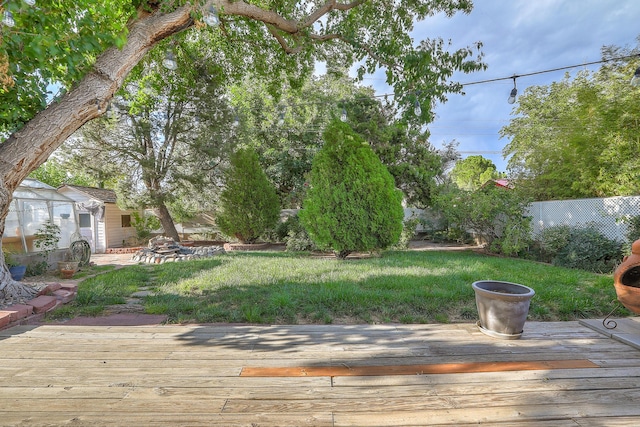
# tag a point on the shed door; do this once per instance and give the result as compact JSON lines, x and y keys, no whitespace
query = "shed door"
{"x":85,"y":222}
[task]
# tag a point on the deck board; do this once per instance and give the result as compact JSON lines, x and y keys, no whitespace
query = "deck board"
{"x":190,"y":375}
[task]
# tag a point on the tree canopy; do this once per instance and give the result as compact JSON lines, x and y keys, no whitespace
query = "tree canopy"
{"x":579,"y":137}
{"x":89,"y":48}
{"x":473,"y":172}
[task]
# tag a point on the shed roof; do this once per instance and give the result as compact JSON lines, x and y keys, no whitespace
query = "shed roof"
{"x":31,"y":188}
{"x":102,"y":194}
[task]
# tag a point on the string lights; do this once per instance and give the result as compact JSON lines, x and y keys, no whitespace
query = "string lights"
{"x":211,"y":17}
{"x":169,"y":61}
{"x":7,"y":17}
{"x":514,"y":93}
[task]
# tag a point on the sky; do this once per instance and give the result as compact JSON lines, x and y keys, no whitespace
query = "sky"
{"x":519,"y":37}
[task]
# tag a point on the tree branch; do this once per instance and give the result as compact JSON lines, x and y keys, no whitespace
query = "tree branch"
{"x":328,"y":7}
{"x":283,"y":42}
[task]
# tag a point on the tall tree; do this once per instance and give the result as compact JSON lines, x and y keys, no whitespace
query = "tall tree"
{"x":472,"y":172}
{"x":404,"y":149}
{"x":91,"y":47}
{"x":165,"y":133}
{"x":249,"y":204}
{"x":577,"y":137}
{"x":287,"y":133}
{"x":352,"y":203}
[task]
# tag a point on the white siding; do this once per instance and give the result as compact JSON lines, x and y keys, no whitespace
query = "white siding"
{"x":107,"y":233}
{"x":117,"y":236}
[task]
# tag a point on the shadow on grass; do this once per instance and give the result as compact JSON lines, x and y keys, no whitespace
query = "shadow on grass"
{"x":302,"y":288}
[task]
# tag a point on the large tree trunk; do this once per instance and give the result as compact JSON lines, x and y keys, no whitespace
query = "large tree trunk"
{"x":32,"y":145}
{"x":167,"y":222}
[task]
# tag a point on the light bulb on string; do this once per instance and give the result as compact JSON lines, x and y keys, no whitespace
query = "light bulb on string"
{"x":343,"y":116}
{"x":513,"y":94}
{"x":169,"y":61}
{"x":635,"y":80}
{"x":8,"y":19}
{"x":416,"y":109}
{"x":211,"y":17}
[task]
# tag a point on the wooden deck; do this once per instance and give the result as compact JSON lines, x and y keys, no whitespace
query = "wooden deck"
{"x":558,"y":374}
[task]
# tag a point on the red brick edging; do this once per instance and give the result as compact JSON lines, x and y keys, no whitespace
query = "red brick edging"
{"x":51,"y":297}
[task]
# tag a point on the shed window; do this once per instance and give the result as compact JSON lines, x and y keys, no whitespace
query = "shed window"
{"x":85,"y":220}
{"x":126,"y":221}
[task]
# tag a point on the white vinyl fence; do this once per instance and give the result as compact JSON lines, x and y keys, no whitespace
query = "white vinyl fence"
{"x":606,"y":214}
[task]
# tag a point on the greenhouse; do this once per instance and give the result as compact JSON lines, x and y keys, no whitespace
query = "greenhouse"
{"x":34,"y":203}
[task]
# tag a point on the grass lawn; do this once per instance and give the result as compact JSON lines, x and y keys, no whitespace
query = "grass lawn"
{"x":291,"y":288}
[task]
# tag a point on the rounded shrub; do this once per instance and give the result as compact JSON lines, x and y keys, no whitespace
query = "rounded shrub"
{"x":588,"y":249}
{"x":551,"y":240}
{"x":249,"y":204}
{"x":352,"y":203}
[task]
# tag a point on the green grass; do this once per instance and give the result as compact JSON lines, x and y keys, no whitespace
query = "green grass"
{"x":286,"y":288}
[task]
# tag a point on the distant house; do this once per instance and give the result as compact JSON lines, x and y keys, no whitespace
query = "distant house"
{"x":500,"y":183}
{"x":100,"y":219}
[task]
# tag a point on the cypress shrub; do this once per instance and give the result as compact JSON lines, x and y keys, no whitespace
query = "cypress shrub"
{"x":249,"y":204}
{"x":352,"y":203}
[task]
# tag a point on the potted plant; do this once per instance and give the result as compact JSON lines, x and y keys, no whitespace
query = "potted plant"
{"x":46,"y":241}
{"x":67,"y":268}
{"x":502,"y":307}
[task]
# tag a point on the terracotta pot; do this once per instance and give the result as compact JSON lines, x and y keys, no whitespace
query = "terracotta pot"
{"x":502,"y":307}
{"x":626,"y":279}
{"x":66,"y":274}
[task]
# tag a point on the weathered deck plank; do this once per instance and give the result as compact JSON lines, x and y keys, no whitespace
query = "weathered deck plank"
{"x":190,"y":375}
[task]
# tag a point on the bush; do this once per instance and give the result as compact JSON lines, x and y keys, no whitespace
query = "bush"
{"x":551,"y":240}
{"x":633,"y":228}
{"x":249,"y":205}
{"x":352,"y":203}
{"x":144,"y":226}
{"x":297,"y":238}
{"x":409,"y":227}
{"x":590,"y":250}
{"x":494,"y":215}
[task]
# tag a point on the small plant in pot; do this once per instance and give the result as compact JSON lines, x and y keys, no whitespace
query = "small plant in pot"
{"x":68,"y":267}
{"x":46,"y":241}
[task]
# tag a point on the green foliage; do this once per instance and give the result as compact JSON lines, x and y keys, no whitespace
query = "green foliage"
{"x":249,"y":204}
{"x":352,"y":203}
{"x":551,"y":240}
{"x":494,"y":215}
{"x":407,"y":154}
{"x":633,"y":228}
{"x":53,"y":42}
{"x":46,"y":240}
{"x":56,"y":173}
{"x":473,"y":172}
{"x":47,"y":237}
{"x":578,"y":137}
{"x":409,"y":227}
{"x":144,"y":224}
{"x":588,"y":249}
{"x":297,"y":238}
{"x":187,"y":120}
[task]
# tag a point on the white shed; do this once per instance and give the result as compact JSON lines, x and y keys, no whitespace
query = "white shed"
{"x":100,"y":219}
